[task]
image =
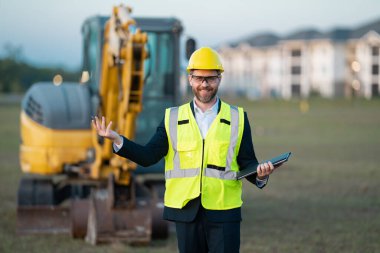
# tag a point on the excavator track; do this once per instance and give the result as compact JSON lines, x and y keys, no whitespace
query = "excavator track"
{"x":37,"y":211}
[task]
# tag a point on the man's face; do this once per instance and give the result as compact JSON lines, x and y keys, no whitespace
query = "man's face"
{"x":204,"y":84}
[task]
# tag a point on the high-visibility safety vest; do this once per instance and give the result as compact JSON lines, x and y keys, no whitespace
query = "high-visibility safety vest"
{"x":194,"y":165}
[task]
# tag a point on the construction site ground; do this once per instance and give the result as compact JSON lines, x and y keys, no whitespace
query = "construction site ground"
{"x":325,"y":199}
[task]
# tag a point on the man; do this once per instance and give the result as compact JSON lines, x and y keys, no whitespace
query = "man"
{"x":205,"y":143}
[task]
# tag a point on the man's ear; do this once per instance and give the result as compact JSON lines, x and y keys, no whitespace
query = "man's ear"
{"x":189,"y":78}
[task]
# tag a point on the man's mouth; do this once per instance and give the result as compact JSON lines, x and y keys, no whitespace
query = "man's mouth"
{"x":205,"y":89}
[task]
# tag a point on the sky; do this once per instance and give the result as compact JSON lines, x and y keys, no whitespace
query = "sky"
{"x":48,"y":31}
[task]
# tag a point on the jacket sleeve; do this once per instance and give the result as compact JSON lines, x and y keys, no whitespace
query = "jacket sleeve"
{"x":149,"y":154}
{"x":247,"y":157}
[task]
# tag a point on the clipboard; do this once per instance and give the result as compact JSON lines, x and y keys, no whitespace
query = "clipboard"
{"x":276,"y":161}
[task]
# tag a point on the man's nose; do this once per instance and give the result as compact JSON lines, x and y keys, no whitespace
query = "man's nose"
{"x":204,"y":82}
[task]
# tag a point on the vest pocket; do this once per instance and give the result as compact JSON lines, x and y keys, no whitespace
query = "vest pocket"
{"x":217,"y":153}
{"x":188,"y":155}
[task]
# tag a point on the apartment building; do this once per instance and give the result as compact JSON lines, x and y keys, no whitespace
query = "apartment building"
{"x":337,"y":63}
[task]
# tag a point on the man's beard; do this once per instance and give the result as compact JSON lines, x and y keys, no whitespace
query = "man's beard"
{"x":205,"y":98}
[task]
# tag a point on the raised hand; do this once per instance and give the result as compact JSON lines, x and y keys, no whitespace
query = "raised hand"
{"x":104,"y":131}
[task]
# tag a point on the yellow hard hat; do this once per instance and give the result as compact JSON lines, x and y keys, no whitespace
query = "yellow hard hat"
{"x":205,"y":58}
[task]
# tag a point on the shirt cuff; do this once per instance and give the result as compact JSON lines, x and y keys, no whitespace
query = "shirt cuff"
{"x":117,"y":147}
{"x":261,"y":182}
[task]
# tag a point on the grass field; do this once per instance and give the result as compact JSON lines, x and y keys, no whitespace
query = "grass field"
{"x":326,"y":199}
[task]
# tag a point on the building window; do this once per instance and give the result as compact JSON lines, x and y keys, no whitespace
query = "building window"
{"x":375,"y":51}
{"x":296,"y":70}
{"x":375,"y":69}
{"x":375,"y":90}
{"x":296,"y":90}
{"x":296,"y":53}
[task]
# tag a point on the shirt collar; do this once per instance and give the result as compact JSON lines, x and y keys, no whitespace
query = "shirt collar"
{"x":213,"y":109}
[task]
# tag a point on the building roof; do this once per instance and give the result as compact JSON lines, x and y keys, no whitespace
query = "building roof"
{"x":257,"y":40}
{"x":364,"y":29}
{"x":339,"y":34}
{"x":264,"y":39}
{"x":307,"y":34}
{"x":335,"y":34}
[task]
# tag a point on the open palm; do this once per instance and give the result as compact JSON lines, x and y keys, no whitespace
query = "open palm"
{"x":104,"y":131}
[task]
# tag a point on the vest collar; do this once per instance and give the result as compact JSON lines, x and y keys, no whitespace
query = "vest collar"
{"x":192,"y":106}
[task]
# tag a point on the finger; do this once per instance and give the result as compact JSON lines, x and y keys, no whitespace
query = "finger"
{"x":266,"y":169}
{"x":260,"y":170}
{"x":109,"y":127}
{"x":270,"y":169}
{"x":103,"y":122}
{"x":93,"y":123}
{"x":97,"y":123}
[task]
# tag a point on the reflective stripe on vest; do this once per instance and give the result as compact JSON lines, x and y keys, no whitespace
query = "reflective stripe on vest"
{"x":228,"y":173}
{"x":177,"y":172}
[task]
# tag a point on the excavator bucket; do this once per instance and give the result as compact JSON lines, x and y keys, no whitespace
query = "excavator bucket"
{"x":43,"y":220}
{"x":130,"y":223}
{"x":79,"y":216}
{"x":120,"y":213}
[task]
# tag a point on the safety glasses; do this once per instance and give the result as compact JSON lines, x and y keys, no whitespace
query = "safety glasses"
{"x":208,"y":79}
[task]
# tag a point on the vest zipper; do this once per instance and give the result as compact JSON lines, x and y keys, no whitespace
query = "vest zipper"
{"x":203,"y":150}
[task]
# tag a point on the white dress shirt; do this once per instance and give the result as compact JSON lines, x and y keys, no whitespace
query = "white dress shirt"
{"x":205,"y":119}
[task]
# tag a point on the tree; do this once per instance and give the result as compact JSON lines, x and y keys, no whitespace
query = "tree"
{"x":16,"y":76}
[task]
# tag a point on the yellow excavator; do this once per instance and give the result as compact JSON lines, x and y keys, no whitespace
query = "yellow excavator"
{"x":73,"y":183}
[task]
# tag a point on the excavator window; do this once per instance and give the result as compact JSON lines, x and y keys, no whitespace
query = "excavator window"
{"x":92,"y":35}
{"x":159,"y":80}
